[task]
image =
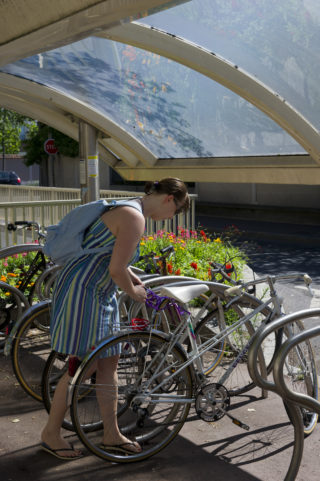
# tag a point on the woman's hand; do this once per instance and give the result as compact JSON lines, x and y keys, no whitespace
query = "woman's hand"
{"x":139,"y":293}
{"x":134,"y":278}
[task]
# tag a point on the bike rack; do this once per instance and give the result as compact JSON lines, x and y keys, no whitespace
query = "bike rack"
{"x":292,"y":399}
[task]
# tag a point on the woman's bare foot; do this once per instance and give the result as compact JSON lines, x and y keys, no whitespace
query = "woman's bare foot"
{"x":124,"y":444}
{"x":58,"y":446}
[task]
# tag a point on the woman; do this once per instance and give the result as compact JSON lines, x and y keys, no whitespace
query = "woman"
{"x":84,"y":307}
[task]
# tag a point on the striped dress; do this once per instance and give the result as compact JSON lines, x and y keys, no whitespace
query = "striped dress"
{"x":84,"y":305}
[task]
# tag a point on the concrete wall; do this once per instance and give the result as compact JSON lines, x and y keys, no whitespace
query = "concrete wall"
{"x":305,"y":196}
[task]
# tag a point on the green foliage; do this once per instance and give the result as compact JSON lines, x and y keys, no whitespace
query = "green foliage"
{"x":11,"y":124}
{"x":193,"y":250}
{"x":13,"y":270}
{"x":36,"y":138}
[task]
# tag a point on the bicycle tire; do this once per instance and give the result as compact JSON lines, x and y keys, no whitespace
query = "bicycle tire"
{"x":45,"y":282}
{"x":154,"y":426}
{"x":239,"y":380}
{"x":301,"y":374}
{"x":31,"y":348}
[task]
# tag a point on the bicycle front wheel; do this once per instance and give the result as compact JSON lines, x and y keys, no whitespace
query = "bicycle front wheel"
{"x":150,"y":401}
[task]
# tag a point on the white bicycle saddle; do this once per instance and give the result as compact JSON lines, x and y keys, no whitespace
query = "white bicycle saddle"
{"x":184,"y":293}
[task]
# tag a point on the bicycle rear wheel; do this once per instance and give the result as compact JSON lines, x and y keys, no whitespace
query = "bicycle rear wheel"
{"x":152,"y":421}
{"x":31,"y":348}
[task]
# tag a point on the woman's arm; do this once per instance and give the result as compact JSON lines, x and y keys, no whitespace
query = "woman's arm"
{"x":127,"y":226}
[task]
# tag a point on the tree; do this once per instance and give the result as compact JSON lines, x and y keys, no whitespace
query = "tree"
{"x":35,"y":154}
{"x":36,"y":138}
{"x":11,"y":124}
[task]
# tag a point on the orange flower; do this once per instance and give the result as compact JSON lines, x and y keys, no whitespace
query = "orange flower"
{"x":170,"y":268}
{"x":178,"y":272}
{"x":194,"y":265}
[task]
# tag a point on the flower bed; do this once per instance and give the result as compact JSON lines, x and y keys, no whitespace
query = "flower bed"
{"x":193,"y":250}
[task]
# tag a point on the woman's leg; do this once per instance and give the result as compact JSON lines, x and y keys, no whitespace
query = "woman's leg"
{"x":108,"y":400}
{"x":51,"y":434}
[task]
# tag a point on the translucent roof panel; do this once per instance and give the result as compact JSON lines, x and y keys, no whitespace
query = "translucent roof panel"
{"x":175,"y":111}
{"x":275,"y":41}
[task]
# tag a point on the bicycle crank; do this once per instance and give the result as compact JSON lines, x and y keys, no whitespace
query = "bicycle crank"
{"x":213,"y":402}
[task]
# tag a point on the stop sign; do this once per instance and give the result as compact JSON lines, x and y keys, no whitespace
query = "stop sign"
{"x":49,"y":147}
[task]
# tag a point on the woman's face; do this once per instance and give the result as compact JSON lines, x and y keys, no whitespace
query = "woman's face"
{"x":166,"y":208}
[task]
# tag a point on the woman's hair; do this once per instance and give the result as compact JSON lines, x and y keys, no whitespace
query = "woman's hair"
{"x":170,"y":186}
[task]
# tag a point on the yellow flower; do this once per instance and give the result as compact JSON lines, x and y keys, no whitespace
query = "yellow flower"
{"x":142,"y":243}
{"x":150,"y":238}
{"x":3,"y":278}
{"x":218,"y":240}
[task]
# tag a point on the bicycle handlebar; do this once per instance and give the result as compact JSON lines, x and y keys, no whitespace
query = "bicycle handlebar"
{"x":237,"y":290}
{"x":23,"y":223}
{"x":166,"y":251}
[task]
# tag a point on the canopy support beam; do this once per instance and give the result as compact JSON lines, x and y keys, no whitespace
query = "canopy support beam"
{"x":89,"y":163}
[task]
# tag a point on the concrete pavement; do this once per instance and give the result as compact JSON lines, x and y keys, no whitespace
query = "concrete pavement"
{"x":202,"y":451}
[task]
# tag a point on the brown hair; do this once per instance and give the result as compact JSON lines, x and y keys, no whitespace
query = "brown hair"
{"x":170,"y":186}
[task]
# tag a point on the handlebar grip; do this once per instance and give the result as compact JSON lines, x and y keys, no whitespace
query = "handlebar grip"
{"x":307,"y":279}
{"x":22,"y":222}
{"x":11,"y":226}
{"x":167,"y":249}
{"x":233,"y":291}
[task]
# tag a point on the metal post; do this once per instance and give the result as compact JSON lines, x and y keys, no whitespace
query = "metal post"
{"x":89,"y":163}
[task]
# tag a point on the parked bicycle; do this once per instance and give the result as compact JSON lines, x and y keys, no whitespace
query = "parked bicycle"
{"x":209,"y":347}
{"x":158,"y":382}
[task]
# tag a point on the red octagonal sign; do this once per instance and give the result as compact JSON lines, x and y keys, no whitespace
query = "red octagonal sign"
{"x":49,"y":147}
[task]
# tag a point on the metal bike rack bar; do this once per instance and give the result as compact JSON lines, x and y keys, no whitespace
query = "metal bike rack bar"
{"x":298,"y":398}
{"x":291,"y":399}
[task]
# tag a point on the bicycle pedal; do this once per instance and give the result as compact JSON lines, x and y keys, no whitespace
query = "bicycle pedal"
{"x":237,"y":422}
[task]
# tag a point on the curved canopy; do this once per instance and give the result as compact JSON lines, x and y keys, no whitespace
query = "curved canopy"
{"x":34,"y":26}
{"x":207,"y":90}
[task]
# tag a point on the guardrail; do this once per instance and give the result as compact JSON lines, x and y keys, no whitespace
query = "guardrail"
{"x":51,"y":211}
{"x":21,"y":193}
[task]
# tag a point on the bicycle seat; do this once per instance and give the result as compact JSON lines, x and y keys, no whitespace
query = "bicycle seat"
{"x":184,"y":293}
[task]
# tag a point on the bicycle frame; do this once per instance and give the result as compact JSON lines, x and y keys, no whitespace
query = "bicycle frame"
{"x":194,"y":357}
{"x":196,"y":353}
